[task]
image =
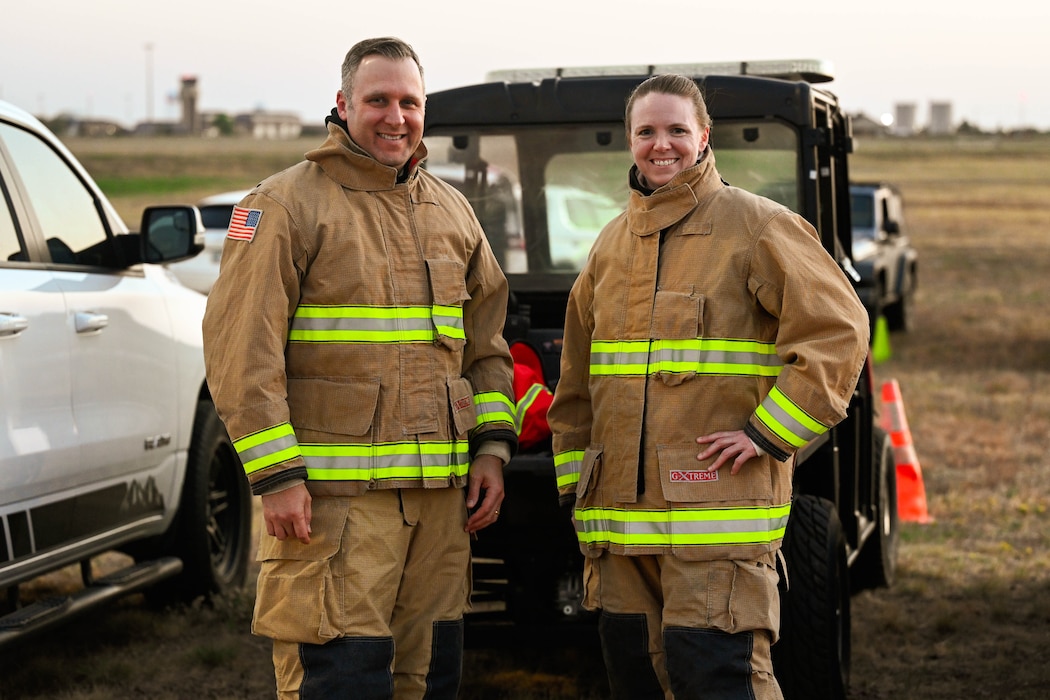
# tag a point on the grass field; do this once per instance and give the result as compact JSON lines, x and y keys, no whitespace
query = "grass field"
{"x":969,"y":616}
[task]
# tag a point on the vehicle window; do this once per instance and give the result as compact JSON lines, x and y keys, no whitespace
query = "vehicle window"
{"x":760,"y":157}
{"x":485,"y":169}
{"x":10,"y":246}
{"x":216,"y":215}
{"x":579,"y":176}
{"x":584,"y":192}
{"x":862,"y":210}
{"x":64,"y":206}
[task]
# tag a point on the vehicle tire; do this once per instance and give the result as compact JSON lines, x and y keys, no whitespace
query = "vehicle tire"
{"x":211,"y":533}
{"x":876,"y":565}
{"x":900,"y":315}
{"x":812,"y":658}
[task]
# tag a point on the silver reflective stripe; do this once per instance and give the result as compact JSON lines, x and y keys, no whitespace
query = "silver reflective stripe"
{"x":682,"y":527}
{"x":375,"y":324}
{"x":787,"y":421}
{"x":567,"y":466}
{"x":523,"y":406}
{"x":493,"y":407}
{"x":404,"y":460}
{"x":267,"y":448}
{"x":699,"y":355}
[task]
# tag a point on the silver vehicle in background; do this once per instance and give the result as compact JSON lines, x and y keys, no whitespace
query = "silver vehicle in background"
{"x":199,"y":272}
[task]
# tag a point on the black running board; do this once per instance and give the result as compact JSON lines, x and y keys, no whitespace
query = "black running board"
{"x":48,"y":612}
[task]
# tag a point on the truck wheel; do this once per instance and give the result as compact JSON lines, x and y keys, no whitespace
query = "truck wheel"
{"x":900,"y":314}
{"x":812,"y":658}
{"x":876,"y":565}
{"x":212,"y":530}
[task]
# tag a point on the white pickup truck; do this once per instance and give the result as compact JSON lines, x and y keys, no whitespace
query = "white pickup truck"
{"x":108,"y":437}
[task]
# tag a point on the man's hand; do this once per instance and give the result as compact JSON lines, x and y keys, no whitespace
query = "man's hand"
{"x":486,"y":475}
{"x":287,"y":513}
{"x":730,"y":444}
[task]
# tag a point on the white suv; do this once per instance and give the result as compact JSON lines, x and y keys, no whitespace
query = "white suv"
{"x":108,"y":437}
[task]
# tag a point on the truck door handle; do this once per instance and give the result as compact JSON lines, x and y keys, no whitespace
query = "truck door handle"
{"x":12,"y":323}
{"x":88,"y":321}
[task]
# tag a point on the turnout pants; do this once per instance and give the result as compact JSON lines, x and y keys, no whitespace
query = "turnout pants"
{"x":685,"y":630}
{"x":373,"y":607}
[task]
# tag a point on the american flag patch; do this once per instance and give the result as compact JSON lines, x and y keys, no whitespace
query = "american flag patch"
{"x":243,"y":224}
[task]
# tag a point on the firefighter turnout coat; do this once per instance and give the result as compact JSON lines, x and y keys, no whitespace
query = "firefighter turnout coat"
{"x":354,"y":335}
{"x":702,"y":308}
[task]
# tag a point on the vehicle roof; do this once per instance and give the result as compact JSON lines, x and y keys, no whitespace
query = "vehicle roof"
{"x":231,"y":197}
{"x":601,"y":98}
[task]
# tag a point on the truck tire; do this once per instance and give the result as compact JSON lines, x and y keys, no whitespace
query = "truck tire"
{"x":811,"y":660}
{"x":876,"y":565}
{"x":211,"y":533}
{"x":900,"y":314}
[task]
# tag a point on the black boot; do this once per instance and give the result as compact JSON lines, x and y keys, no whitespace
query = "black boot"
{"x":348,"y":667}
{"x":625,"y":649}
{"x":709,"y":664}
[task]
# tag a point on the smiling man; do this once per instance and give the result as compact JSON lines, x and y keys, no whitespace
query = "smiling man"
{"x":354,"y":351}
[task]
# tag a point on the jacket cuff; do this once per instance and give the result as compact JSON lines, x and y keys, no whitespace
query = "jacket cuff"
{"x":765,"y":444}
{"x":498,"y":435}
{"x":279,"y":481}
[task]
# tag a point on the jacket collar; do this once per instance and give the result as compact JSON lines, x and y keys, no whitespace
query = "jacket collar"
{"x":649,"y":212}
{"x":351,"y":166}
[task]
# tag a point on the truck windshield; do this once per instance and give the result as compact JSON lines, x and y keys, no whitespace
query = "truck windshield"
{"x":543,"y":194}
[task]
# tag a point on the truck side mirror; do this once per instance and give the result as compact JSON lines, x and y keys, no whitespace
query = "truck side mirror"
{"x":892,"y":227}
{"x":170,"y":233}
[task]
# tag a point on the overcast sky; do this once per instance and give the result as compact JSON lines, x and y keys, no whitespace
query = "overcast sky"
{"x":123,"y":59}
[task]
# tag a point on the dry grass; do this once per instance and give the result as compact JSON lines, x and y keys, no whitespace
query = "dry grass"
{"x":970,"y":614}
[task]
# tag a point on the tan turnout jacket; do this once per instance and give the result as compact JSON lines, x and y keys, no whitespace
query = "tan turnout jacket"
{"x":738,"y":320}
{"x":355,"y":339}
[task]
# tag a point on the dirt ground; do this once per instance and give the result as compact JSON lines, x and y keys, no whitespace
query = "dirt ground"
{"x":969,"y":614}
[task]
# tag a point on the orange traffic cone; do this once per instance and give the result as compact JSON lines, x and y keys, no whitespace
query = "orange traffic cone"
{"x":911,"y":493}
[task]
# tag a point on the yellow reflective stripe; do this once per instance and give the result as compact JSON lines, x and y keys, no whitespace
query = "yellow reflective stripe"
{"x":567,"y":466}
{"x":682,"y":527}
{"x":711,"y":356}
{"x":375,"y":324}
{"x":267,"y":448}
{"x":385,"y":461}
{"x":448,"y":320}
{"x":787,"y":421}
{"x":493,"y":407}
{"x":522,"y":406}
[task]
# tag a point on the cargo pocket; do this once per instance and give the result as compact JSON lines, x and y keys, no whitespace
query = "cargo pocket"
{"x":461,"y":403}
{"x":677,"y":316}
{"x":588,"y":495}
{"x":754,"y":603}
{"x":296,"y":598}
{"x":342,"y":407}
{"x":590,"y":472}
{"x":448,"y":289}
{"x":685,"y":480}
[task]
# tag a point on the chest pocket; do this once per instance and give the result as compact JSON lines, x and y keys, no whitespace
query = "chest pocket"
{"x":677,"y":316}
{"x":448,"y":289}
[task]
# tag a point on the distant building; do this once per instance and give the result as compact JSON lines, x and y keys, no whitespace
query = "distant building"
{"x":865,"y":126}
{"x":269,"y":125}
{"x":190,"y":122}
{"x":904,"y":119}
{"x":941,"y":119}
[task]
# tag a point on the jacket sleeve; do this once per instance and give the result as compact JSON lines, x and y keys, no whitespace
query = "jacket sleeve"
{"x":570,"y":415}
{"x":245,"y":331}
{"x":487,"y":362}
{"x":822,"y":336}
